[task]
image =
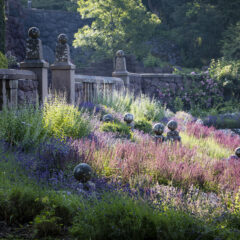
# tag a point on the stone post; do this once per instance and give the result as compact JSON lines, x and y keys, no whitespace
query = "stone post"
{"x":121,"y":68}
{"x":35,"y":63}
{"x":63,"y":71}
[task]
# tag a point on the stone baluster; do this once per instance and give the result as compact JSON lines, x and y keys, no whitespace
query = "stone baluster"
{"x":35,"y":63}
{"x":63,"y":71}
{"x":121,"y":68}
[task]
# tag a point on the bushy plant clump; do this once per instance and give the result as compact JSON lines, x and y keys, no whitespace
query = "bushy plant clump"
{"x":29,"y":126}
{"x":65,"y":120}
{"x":23,"y":126}
{"x":116,"y":127}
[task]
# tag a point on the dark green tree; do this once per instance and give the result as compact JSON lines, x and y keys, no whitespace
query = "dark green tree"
{"x":2,"y":26}
{"x":117,"y":24}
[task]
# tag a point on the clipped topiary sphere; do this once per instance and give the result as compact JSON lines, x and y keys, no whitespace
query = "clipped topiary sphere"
{"x":82,"y":172}
{"x":108,"y":118}
{"x":237,"y":152}
{"x":158,"y":128}
{"x":128,"y":118}
{"x":172,"y":125}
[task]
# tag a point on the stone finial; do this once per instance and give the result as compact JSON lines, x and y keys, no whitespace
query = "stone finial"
{"x":120,"y":62}
{"x":29,"y":3}
{"x":173,"y":135}
{"x":108,"y":118}
{"x":158,"y":129}
{"x":237,"y":152}
{"x":63,"y":50}
{"x":172,"y":125}
{"x":34,"y":52}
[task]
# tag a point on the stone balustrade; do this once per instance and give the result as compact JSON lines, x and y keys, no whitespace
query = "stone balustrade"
{"x":89,"y":87}
{"x":17,"y":87}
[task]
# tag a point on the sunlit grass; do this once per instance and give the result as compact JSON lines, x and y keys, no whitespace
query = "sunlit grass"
{"x":206,"y":146}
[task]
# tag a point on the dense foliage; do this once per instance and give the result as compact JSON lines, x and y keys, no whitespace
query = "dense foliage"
{"x":2,"y":26}
{"x":199,"y":29}
{"x":119,"y":24}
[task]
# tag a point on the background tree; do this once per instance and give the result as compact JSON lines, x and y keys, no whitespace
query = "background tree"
{"x":2,"y":26}
{"x":117,"y":24}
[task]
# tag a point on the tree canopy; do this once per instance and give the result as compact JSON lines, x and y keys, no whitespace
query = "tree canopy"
{"x":117,"y":24}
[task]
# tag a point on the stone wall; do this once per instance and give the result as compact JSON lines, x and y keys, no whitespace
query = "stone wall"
{"x":17,"y":87}
{"x":152,"y":84}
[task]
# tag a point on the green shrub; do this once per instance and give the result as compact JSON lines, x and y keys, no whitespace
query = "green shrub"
{"x":23,"y":126}
{"x":116,"y":127}
{"x":152,"y":61}
{"x":64,"y":120}
{"x":115,"y":218}
{"x":143,"y":125}
{"x":20,"y":205}
{"x":227,"y":74}
{"x":3,"y":61}
{"x":46,"y":224}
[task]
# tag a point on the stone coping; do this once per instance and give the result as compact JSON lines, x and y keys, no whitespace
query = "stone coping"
{"x":162,"y":75}
{"x":34,"y":64}
{"x":97,"y":79}
{"x":13,"y":74}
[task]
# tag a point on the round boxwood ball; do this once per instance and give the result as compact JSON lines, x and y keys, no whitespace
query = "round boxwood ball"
{"x":82,"y":172}
{"x":237,"y":152}
{"x":158,"y":128}
{"x":128,"y":118}
{"x":172,"y":125}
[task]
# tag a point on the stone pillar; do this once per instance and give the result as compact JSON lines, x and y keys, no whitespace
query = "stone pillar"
{"x":35,"y":63}
{"x":121,"y":68}
{"x":63,"y":71}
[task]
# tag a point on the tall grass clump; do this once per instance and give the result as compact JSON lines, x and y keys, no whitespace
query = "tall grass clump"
{"x":23,"y":126}
{"x":120,"y":101}
{"x":64,"y":120}
{"x":142,"y":106}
